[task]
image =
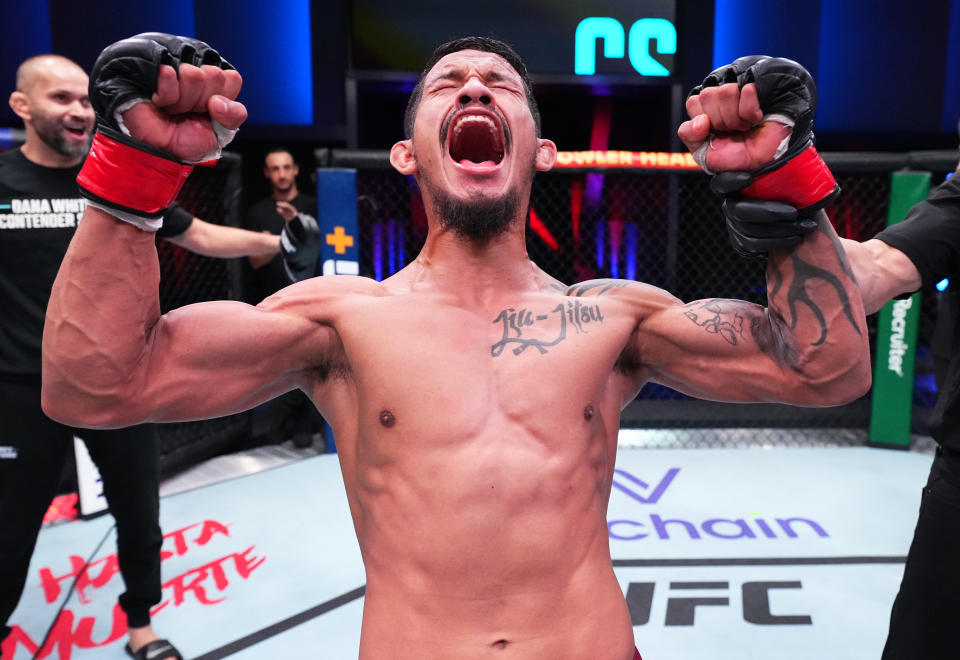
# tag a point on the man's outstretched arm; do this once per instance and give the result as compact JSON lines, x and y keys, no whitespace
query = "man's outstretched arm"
{"x":222,"y":242}
{"x":752,"y":121}
{"x":808,"y":347}
{"x":883,"y":271}
{"x":297,"y":243}
{"x":109,"y":358}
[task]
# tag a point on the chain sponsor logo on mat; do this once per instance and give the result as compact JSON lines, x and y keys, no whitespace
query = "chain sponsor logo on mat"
{"x":655,"y":526}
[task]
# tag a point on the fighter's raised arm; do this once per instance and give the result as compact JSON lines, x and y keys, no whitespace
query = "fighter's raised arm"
{"x":752,"y":121}
{"x":109,"y":358}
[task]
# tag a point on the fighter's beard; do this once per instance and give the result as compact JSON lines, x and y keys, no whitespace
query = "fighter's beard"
{"x":478,"y":218}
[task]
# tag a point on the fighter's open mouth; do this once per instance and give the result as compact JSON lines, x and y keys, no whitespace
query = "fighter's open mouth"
{"x":77,"y":131}
{"x":476,"y":138}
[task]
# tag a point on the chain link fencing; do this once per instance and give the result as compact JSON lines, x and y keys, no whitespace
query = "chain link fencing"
{"x":664,"y":227}
{"x":658,"y":226}
{"x":212,"y":194}
{"x":653,"y":225}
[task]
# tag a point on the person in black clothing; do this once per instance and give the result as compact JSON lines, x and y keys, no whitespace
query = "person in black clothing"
{"x":940,"y":344}
{"x":918,"y":252}
{"x":271,"y":214}
{"x":915,"y":253}
{"x":290,"y":415}
{"x":39,"y":210}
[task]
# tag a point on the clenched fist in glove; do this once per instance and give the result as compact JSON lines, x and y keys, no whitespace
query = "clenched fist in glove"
{"x":752,"y":126}
{"x":163,"y":103}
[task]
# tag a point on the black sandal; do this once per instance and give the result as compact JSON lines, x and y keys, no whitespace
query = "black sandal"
{"x":158,"y":649}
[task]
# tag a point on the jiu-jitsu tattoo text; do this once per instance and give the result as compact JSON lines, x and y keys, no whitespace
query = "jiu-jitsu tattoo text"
{"x":524,"y":328}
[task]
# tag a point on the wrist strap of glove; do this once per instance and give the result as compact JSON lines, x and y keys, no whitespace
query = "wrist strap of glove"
{"x":129,"y":179}
{"x":804,"y":182}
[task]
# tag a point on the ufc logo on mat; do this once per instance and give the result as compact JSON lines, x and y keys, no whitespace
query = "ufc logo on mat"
{"x":681,"y":609}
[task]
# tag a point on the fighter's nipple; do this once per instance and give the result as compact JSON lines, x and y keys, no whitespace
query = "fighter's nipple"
{"x":387,"y":419}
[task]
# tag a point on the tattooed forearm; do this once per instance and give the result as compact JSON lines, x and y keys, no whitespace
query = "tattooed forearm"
{"x":841,"y":253}
{"x":803,"y":274}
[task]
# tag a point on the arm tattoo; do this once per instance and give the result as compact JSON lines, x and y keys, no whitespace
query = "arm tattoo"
{"x":841,"y":255}
{"x":728,"y":318}
{"x":718,"y":317}
{"x":803,"y":273}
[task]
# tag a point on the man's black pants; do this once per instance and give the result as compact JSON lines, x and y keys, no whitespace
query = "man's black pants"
{"x":33,"y":449}
{"x":925,"y":621}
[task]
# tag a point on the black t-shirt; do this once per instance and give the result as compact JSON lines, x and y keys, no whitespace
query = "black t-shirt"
{"x":263,"y":216}
{"x":930,"y":237}
{"x":39,"y":211}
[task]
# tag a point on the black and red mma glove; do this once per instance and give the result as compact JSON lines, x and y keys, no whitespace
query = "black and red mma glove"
{"x":122,"y":175}
{"x":757,"y":226}
{"x":771,"y":207}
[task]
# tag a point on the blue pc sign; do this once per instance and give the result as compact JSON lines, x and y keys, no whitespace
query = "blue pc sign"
{"x":337,"y":218}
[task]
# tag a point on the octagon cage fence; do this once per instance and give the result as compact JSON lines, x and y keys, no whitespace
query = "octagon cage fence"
{"x":652,"y":223}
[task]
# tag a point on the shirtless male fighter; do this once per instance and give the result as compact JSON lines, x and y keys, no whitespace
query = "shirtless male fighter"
{"x":450,"y":383}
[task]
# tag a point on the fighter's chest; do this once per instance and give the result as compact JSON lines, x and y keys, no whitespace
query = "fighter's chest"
{"x":508,"y":353}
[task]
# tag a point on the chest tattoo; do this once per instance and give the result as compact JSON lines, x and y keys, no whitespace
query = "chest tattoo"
{"x":524,"y":328}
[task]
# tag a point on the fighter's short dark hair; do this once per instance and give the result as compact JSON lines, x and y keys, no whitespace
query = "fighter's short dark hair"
{"x":485,"y":44}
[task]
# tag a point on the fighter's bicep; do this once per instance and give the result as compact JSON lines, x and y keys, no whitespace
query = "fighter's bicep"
{"x":716,"y":348}
{"x":269,"y":340}
{"x":247,"y":353}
